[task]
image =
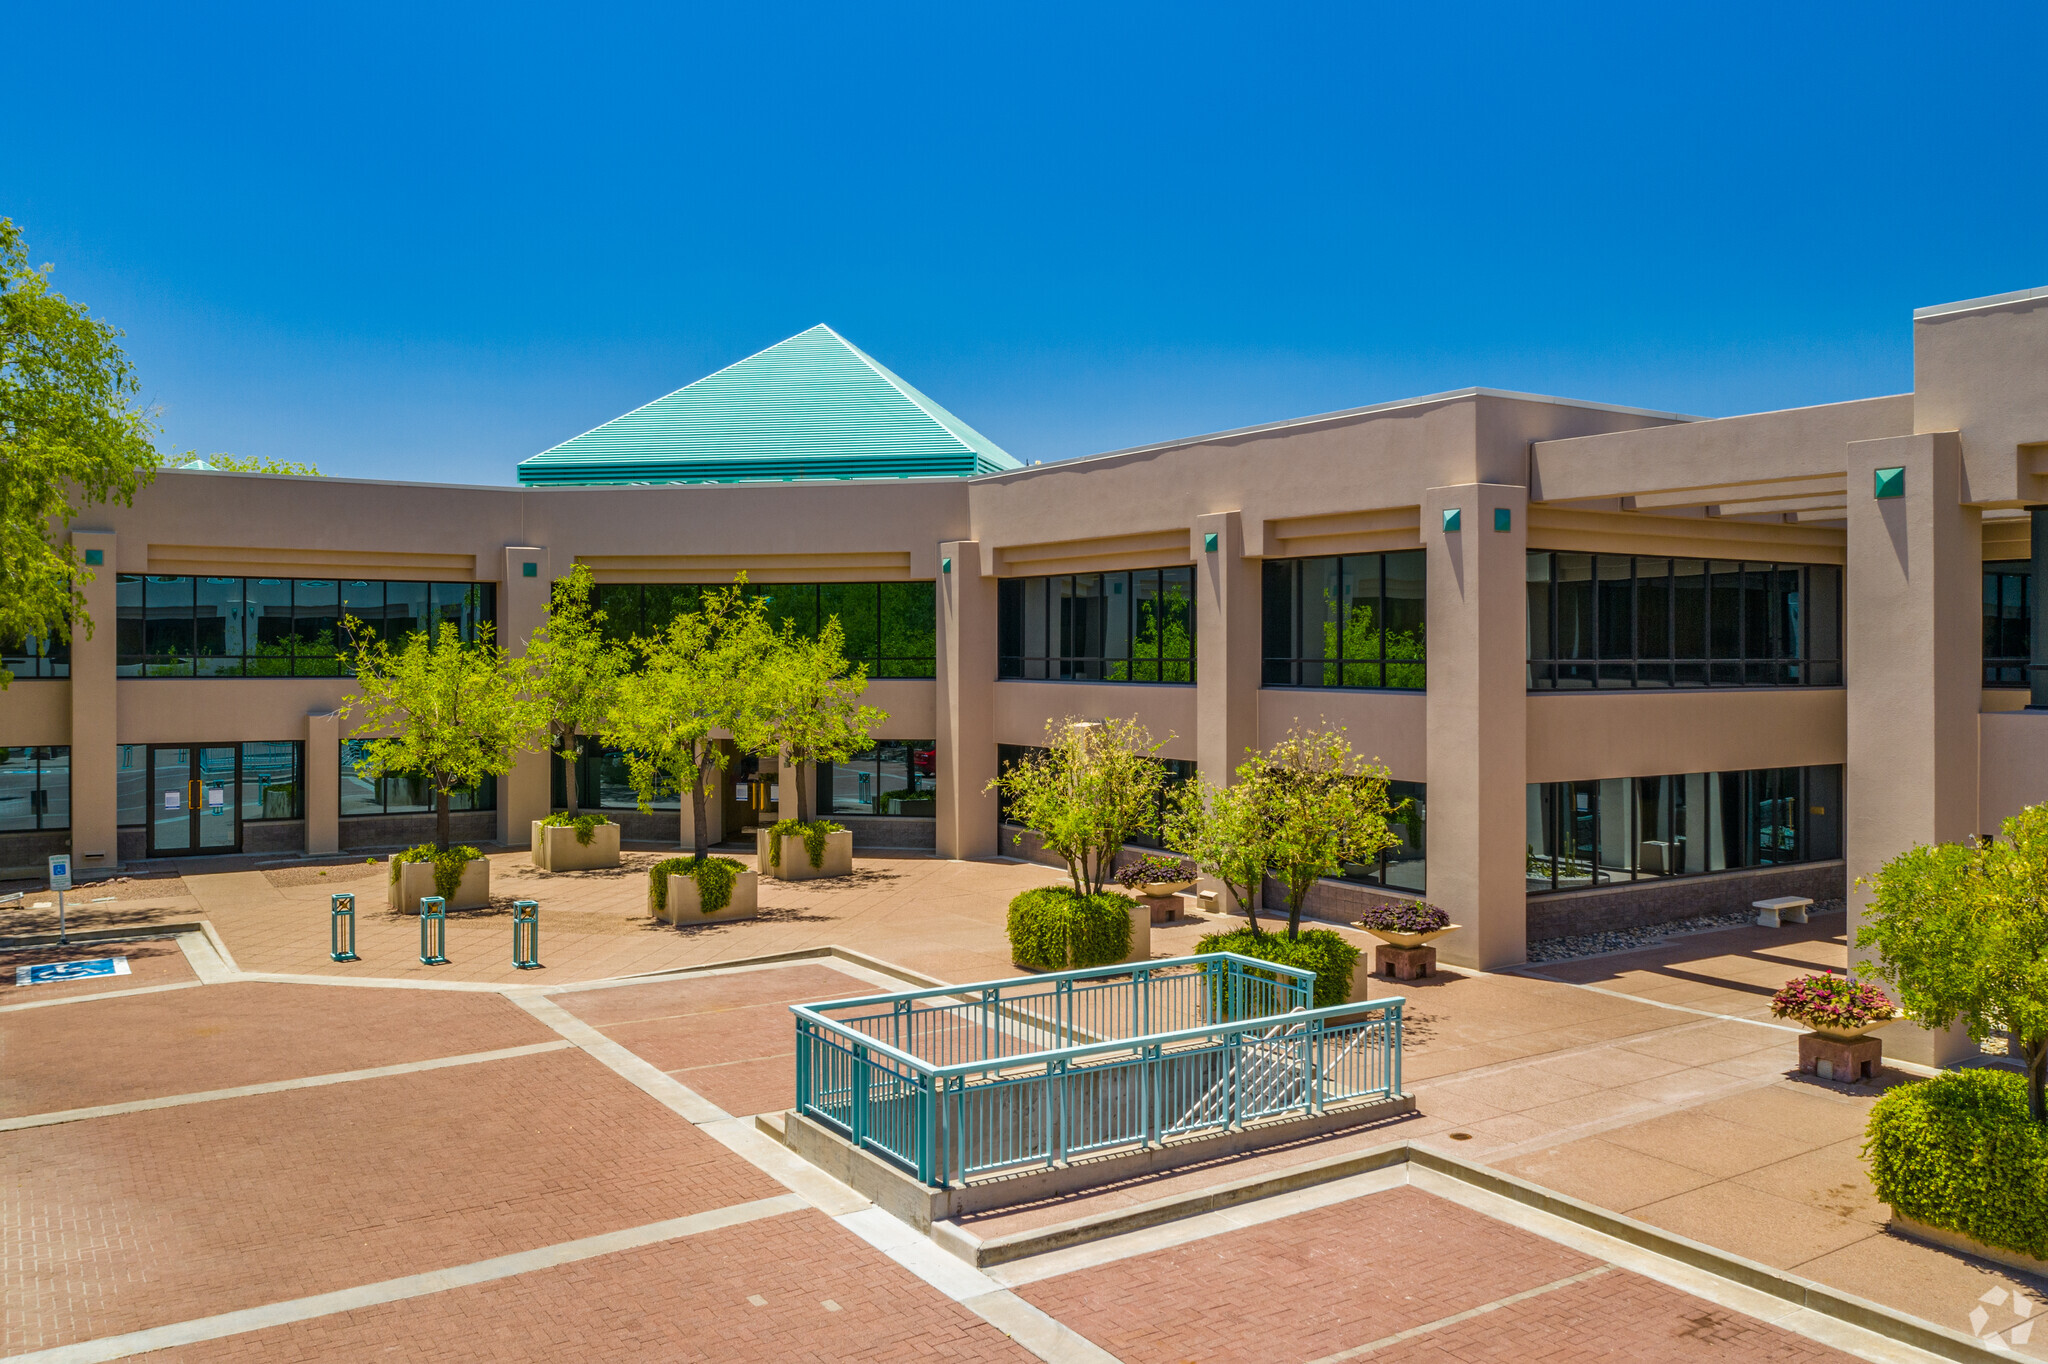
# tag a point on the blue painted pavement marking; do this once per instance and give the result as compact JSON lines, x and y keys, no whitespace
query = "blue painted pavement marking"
{"x":52,"y":972}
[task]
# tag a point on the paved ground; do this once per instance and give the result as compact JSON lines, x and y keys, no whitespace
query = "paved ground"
{"x":472,"y":1162}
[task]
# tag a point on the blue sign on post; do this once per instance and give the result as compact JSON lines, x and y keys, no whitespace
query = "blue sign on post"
{"x":56,"y":972}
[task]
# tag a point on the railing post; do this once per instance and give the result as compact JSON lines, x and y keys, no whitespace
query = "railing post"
{"x":526,"y":934}
{"x":927,"y":1118}
{"x":1063,"y":1011}
{"x":433,"y":931}
{"x":860,"y":1079}
{"x":1155,"y":1095}
{"x":1312,"y":1069}
{"x":990,"y":998}
{"x":342,"y":909}
{"x":803,"y":1064}
{"x":1393,"y":1026}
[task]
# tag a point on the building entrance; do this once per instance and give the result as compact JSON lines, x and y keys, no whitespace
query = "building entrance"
{"x":194,"y":799}
{"x":753,"y":795}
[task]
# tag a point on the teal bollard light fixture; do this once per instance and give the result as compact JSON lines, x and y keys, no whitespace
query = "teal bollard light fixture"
{"x":433,"y":931}
{"x":342,"y":916}
{"x":526,"y":934}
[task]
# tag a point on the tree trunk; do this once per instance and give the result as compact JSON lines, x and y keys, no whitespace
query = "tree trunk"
{"x":699,"y":812}
{"x":1249,"y":902}
{"x":796,"y":775}
{"x":571,"y":750}
{"x":441,"y":820}
{"x":1294,"y":901}
{"x":2036,"y":1049}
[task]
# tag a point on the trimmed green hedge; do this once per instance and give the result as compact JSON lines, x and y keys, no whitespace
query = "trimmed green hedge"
{"x":448,"y":865}
{"x":714,"y":877}
{"x":1054,"y":929}
{"x":1317,"y":949}
{"x":586,"y":826}
{"x":1959,"y":1152}
{"x":813,"y":833}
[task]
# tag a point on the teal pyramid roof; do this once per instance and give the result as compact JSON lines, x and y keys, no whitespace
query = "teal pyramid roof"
{"x":814,"y":406}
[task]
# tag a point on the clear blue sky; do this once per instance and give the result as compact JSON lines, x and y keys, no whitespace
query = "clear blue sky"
{"x":420,"y":243}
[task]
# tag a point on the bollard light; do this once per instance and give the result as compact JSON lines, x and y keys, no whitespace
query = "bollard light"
{"x":433,"y":931}
{"x":342,"y":914}
{"x":526,"y":934}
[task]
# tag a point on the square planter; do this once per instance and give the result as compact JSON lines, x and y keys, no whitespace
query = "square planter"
{"x":796,"y":859}
{"x":556,"y":849}
{"x":1166,"y":909}
{"x":682,"y":909}
{"x":416,"y":880}
{"x":1141,"y":932}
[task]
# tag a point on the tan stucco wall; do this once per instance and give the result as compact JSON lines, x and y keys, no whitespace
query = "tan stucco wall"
{"x":1978,"y":372}
{"x":2012,"y":766}
{"x":1022,"y":708}
{"x":1584,"y":736}
{"x":36,"y":712}
{"x":1390,"y":727}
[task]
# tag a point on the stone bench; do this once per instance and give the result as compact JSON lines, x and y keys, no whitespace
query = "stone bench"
{"x":1785,"y":908}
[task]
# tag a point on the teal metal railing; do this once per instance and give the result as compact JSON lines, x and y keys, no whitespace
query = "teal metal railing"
{"x":958,"y":1082}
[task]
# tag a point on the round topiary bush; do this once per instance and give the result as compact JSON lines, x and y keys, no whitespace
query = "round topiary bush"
{"x":1317,"y":949}
{"x":1054,"y":929}
{"x":1960,"y":1153}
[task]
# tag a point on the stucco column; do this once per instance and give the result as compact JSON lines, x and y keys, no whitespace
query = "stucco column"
{"x":1478,"y":719}
{"x":1913,"y":662}
{"x":323,"y":783}
{"x":966,"y":755}
{"x":1228,"y":650}
{"x":95,"y":801}
{"x":2037,"y":612}
{"x":527,"y":792}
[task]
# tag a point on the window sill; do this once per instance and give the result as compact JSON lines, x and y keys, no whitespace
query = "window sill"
{"x":1087,"y":682}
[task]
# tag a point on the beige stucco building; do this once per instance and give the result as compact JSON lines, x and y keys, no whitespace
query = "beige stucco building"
{"x":1630,"y":666}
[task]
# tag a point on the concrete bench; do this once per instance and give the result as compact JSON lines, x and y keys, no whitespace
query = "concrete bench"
{"x":1775,"y":913}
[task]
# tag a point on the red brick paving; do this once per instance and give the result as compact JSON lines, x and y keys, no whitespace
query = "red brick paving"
{"x":157,"y":962}
{"x":221,"y":1036}
{"x":681,"y":1300}
{"x":136,"y":1220}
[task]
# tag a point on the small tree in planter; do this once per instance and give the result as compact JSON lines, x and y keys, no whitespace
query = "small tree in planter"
{"x":1222,"y":829}
{"x":1962,"y":933}
{"x":810,"y":708}
{"x":1320,"y":806}
{"x":698,"y":677}
{"x":573,"y":673}
{"x":1090,"y":789}
{"x":459,"y":710}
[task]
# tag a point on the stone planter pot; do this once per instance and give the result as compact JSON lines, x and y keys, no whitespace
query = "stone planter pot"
{"x":556,"y":849}
{"x":796,"y":859}
{"x":416,"y":880}
{"x":1836,"y":1033}
{"x":1165,"y":909}
{"x":683,"y":908}
{"x":1156,"y":888}
{"x":1141,"y":932}
{"x":1399,"y":939}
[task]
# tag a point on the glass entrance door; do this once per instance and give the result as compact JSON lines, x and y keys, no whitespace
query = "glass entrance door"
{"x":194,"y":799}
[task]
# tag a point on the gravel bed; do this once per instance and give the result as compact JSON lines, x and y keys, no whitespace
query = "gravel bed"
{"x":1650,"y":935}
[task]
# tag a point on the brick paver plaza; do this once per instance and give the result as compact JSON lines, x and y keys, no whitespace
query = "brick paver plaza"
{"x":242,"y":1150}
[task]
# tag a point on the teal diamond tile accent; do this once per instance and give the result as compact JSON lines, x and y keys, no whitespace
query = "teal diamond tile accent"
{"x":1889,"y":483}
{"x":1452,"y":520}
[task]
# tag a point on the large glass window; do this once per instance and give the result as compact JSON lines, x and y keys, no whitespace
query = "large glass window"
{"x":176,"y":626}
{"x":1596,"y":833}
{"x":392,"y":794}
{"x":604,"y":783}
{"x":896,"y":777}
{"x":890,"y":627}
{"x":35,"y":788}
{"x":1400,"y":867}
{"x":36,"y":656}
{"x":1619,"y":620}
{"x":1135,"y":626}
{"x":1178,"y":774}
{"x":1354,"y":620}
{"x":273,"y":781}
{"x":2008,"y":622}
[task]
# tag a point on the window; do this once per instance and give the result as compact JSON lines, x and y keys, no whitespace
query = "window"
{"x":1618,"y":620}
{"x":1136,"y":626}
{"x":1596,"y":833}
{"x":36,"y":657}
{"x":1178,"y":774}
{"x":177,"y":626}
{"x":393,"y":794}
{"x":896,"y":777}
{"x":890,"y":627}
{"x":2008,"y":622}
{"x":35,"y":788}
{"x":273,"y":781}
{"x":1354,"y":620}
{"x":1400,"y":867}
{"x":604,"y":783}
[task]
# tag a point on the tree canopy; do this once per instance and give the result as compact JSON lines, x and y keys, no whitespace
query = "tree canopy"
{"x":1320,"y":805}
{"x":573,"y":671}
{"x":1222,"y":829}
{"x":809,"y":701}
{"x":1087,"y":792}
{"x":70,"y":436}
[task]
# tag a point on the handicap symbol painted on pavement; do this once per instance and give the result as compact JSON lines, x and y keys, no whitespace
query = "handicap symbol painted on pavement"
{"x":52,"y":972}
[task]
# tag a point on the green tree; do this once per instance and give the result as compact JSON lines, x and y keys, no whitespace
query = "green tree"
{"x":698,"y":677}
{"x":1321,"y":806}
{"x":573,"y":672}
{"x":459,"y":711}
{"x":1162,"y":649}
{"x":242,"y":464}
{"x":1087,"y":792}
{"x":1962,"y":932}
{"x":1222,"y":830}
{"x":1359,"y":640}
{"x":810,"y":709}
{"x":70,"y":436}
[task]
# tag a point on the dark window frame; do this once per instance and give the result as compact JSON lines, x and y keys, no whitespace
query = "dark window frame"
{"x":920,"y":783}
{"x":2008,"y":623}
{"x":473,"y":799}
{"x":46,"y":757}
{"x":1042,"y":635}
{"x":1286,"y":663}
{"x":627,"y":614}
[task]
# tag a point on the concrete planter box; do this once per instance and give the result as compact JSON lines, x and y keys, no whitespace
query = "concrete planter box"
{"x":416,"y":880}
{"x":796,"y":859}
{"x":683,"y":902}
{"x":1141,"y":932}
{"x":1967,"y":1244}
{"x":556,"y":849}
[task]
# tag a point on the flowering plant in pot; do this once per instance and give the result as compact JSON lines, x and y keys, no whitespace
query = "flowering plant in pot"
{"x":1156,"y":874}
{"x":1834,"y":1006}
{"x":1409,"y":923}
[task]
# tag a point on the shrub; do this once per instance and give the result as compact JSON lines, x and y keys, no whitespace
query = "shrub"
{"x":1155,"y":867}
{"x":1831,"y":1001}
{"x":585,"y":825}
{"x":1415,"y":917}
{"x":813,"y":832}
{"x":1961,"y":1153}
{"x":714,"y":877}
{"x":447,"y":865}
{"x":1053,"y":928}
{"x":1318,"y":950}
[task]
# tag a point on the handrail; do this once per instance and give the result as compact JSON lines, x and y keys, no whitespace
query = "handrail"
{"x":1084,"y":973}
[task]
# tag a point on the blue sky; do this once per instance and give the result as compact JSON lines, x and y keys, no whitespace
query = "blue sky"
{"x":421,"y":242}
